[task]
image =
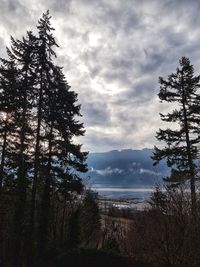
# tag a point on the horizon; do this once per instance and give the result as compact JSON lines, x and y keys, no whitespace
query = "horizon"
{"x":121,"y":149}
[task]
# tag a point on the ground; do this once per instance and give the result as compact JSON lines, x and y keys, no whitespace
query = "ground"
{"x":91,"y":258}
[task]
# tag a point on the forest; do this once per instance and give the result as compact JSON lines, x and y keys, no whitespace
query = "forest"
{"x":47,"y":217}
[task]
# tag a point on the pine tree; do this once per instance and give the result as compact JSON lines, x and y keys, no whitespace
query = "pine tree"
{"x":180,"y":151}
{"x":60,"y":160}
{"x":40,"y":164}
{"x":9,"y":79}
{"x":44,"y":53}
{"x":22,"y":53}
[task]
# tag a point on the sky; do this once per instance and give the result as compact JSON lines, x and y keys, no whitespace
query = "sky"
{"x":112,"y":53}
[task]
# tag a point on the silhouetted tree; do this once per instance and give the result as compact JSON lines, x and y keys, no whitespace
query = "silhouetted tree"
{"x":61,"y":159}
{"x":89,"y":220}
{"x":44,"y":52}
{"x":180,"y":89}
{"x":9,"y":80}
{"x":40,"y":164}
{"x":22,"y":53}
{"x":73,"y":238}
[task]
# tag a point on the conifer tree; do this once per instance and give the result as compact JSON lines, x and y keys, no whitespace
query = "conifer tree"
{"x":9,"y":79}
{"x":62,"y":160}
{"x":180,"y":151}
{"x":22,"y":53}
{"x":44,"y":53}
{"x":38,"y":120}
{"x":58,"y":161}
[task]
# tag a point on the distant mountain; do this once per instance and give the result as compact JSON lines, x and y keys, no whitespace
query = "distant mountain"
{"x":125,"y":168}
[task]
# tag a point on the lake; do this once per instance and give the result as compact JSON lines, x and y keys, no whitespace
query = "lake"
{"x":114,"y":192}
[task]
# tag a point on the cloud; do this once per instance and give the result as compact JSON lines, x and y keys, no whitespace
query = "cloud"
{"x":113,"y":53}
{"x":134,"y":168}
{"x":107,"y":171}
{"x":150,"y":172}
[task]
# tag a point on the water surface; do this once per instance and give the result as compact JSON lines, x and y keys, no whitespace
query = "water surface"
{"x":115,"y":192}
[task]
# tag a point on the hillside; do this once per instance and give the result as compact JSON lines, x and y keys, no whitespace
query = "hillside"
{"x":125,"y":168}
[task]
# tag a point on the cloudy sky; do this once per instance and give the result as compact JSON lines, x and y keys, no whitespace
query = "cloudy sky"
{"x":113,"y":53}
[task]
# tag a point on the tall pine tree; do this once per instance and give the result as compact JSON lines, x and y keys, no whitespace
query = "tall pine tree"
{"x":40,"y":164}
{"x":22,"y":53}
{"x":9,"y":80}
{"x":180,"y":89}
{"x":57,"y":161}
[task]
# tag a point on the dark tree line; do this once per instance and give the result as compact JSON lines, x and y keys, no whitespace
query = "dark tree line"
{"x":40,"y":165}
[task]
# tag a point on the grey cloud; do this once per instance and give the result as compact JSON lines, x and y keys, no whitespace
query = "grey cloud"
{"x":112,"y":53}
{"x":61,"y":6}
{"x":2,"y":49}
{"x":95,"y":113}
{"x":14,"y":16}
{"x":96,"y":141}
{"x":140,"y":93}
{"x":153,"y":62}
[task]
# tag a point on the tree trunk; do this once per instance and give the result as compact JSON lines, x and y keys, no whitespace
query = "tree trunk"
{"x":190,"y":161}
{"x":45,"y":207}
{"x":21,"y":187}
{"x":3,"y":155}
